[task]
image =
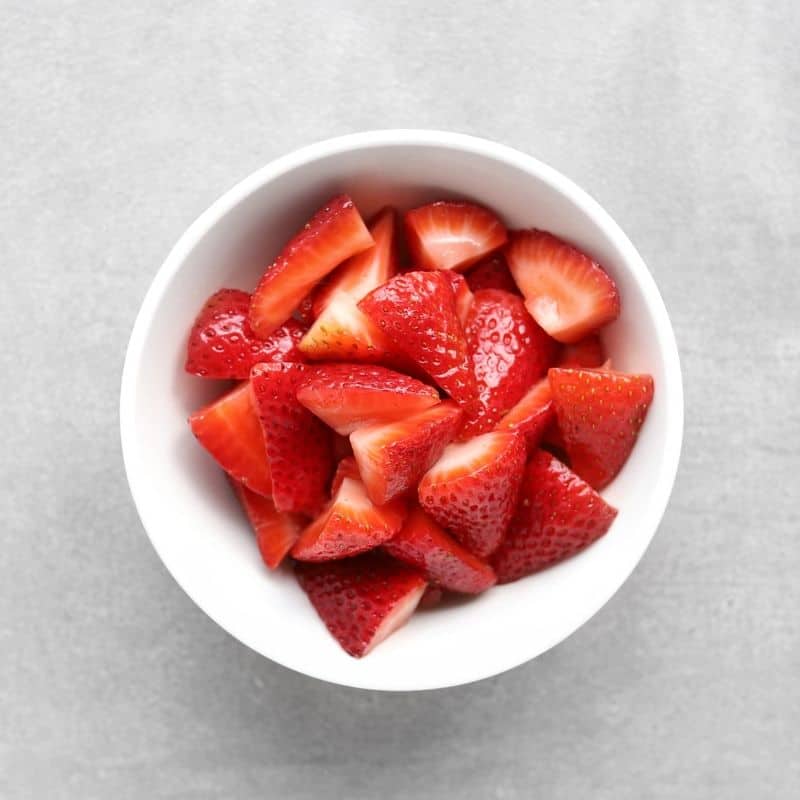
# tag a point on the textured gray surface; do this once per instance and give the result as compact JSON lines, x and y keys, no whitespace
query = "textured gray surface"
{"x":118,"y":128}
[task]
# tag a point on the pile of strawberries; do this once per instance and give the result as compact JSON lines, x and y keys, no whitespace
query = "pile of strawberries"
{"x":416,"y":414}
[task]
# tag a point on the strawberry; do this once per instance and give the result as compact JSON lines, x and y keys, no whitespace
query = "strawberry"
{"x":588,"y":352}
{"x":346,"y":468}
{"x":275,"y":531}
{"x":229,"y":429}
{"x":452,"y":234}
{"x":462,"y":293}
{"x":340,"y":447}
{"x":393,"y":457}
{"x":472,"y":489}
{"x":491,"y":273}
{"x":362,"y":600}
{"x":599,"y":415}
{"x":424,"y":545}
{"x":350,"y":396}
{"x":532,"y":415}
{"x":298,"y":444}
{"x":333,"y":234}
{"x":558,"y":515}
{"x":417,"y":312}
{"x":509,"y":352}
{"x":431,"y":598}
{"x":222,"y":344}
{"x":567,"y":293}
{"x":352,"y":525}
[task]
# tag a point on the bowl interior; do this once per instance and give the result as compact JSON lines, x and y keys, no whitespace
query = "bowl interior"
{"x":184,"y":500}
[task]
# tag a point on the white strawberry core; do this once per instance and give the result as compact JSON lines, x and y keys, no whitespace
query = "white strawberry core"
{"x":397,"y":617}
{"x":465,"y":457}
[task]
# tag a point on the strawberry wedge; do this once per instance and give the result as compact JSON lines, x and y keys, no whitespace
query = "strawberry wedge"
{"x":491,"y":273}
{"x":462,"y":294}
{"x":532,"y":415}
{"x":346,"y":468}
{"x":566,"y":292}
{"x":335,"y":233}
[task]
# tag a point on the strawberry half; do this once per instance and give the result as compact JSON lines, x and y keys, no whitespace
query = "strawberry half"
{"x":350,"y":396}
{"x":559,"y":515}
{"x":452,"y":234}
{"x":392,"y":458}
{"x":424,"y":545}
{"x":333,"y":234}
{"x":275,"y":531}
{"x":362,"y":600}
{"x":298,"y":444}
{"x":417,"y":312}
{"x":599,"y":415}
{"x":352,"y":525}
{"x":472,"y":489}
{"x":588,"y":352}
{"x":491,"y":273}
{"x":509,"y":352}
{"x":230,"y":431}
{"x":462,"y":294}
{"x":532,"y":415}
{"x":567,"y":293}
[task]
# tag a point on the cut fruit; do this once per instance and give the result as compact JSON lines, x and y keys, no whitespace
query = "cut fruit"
{"x":335,"y":233}
{"x":362,"y":600}
{"x":463,"y":295}
{"x":558,"y":516}
{"x":566,"y":292}
{"x":230,"y":431}
{"x":532,"y":415}
{"x":431,"y":598}
{"x":491,"y":273}
{"x":452,"y":235}
{"x":588,"y":352}
{"x":346,"y":468}
{"x":472,"y":489}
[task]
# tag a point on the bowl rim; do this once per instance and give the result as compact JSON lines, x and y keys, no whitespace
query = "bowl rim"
{"x":405,"y":137}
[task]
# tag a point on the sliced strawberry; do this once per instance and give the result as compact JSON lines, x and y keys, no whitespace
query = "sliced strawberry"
{"x":452,"y":234}
{"x":509,"y":352}
{"x":431,"y":598}
{"x":532,"y":415}
{"x":349,"y":396}
{"x":599,"y":415}
{"x":491,"y":273}
{"x":275,"y":531}
{"x":346,"y":468}
{"x":333,"y":234}
{"x":352,"y":525}
{"x":424,"y":545}
{"x":567,"y":293}
{"x":393,"y":457}
{"x":362,"y":600}
{"x":229,"y":429}
{"x":588,"y":352}
{"x":222,"y":344}
{"x":472,"y":489}
{"x":558,"y":516}
{"x":341,"y":447}
{"x":298,"y":444}
{"x":462,"y":293}
{"x":417,"y":312}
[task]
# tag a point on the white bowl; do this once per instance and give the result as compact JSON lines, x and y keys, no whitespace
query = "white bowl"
{"x":187,"y":507}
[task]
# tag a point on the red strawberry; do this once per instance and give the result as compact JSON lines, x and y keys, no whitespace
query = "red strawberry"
{"x":509,"y":352}
{"x":275,"y":531}
{"x":352,"y":525}
{"x":558,"y":515}
{"x":472,"y":489}
{"x":452,"y":234}
{"x":393,"y":457}
{"x":350,"y":396}
{"x":417,"y":312}
{"x":222,"y":344}
{"x":599,"y":414}
{"x":588,"y":352}
{"x":298,"y":444}
{"x":423,"y":544}
{"x":431,"y":598}
{"x":362,"y":600}
{"x":532,"y":415}
{"x":333,"y":234}
{"x":346,"y":468}
{"x":491,"y":273}
{"x":567,"y":293}
{"x":229,"y":429}
{"x":340,"y":447}
{"x":462,"y":293}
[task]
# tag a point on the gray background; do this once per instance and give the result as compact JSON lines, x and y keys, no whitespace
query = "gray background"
{"x":117,"y":129}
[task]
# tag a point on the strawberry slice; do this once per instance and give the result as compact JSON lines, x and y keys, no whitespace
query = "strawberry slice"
{"x":431,"y":598}
{"x":333,"y":234}
{"x":567,"y":293}
{"x":558,"y":516}
{"x":391,"y":458}
{"x":509,"y":352}
{"x":452,"y":234}
{"x":222,"y":344}
{"x":230,"y":431}
{"x":362,"y":600}
{"x":599,"y":415}
{"x":417,"y":312}
{"x":532,"y":415}
{"x":424,"y":545}
{"x":275,"y":531}
{"x":349,"y":396}
{"x":462,"y":293}
{"x":298,"y":444}
{"x":491,"y":273}
{"x":472,"y":489}
{"x":346,"y":468}
{"x":588,"y":352}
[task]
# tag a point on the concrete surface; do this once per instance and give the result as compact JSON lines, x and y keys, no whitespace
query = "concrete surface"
{"x":119,"y":127}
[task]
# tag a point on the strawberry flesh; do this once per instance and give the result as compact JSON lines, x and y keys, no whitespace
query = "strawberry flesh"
{"x":462,"y":294}
{"x":532,"y":415}
{"x":588,"y":352}
{"x":346,"y":468}
{"x":491,"y":273}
